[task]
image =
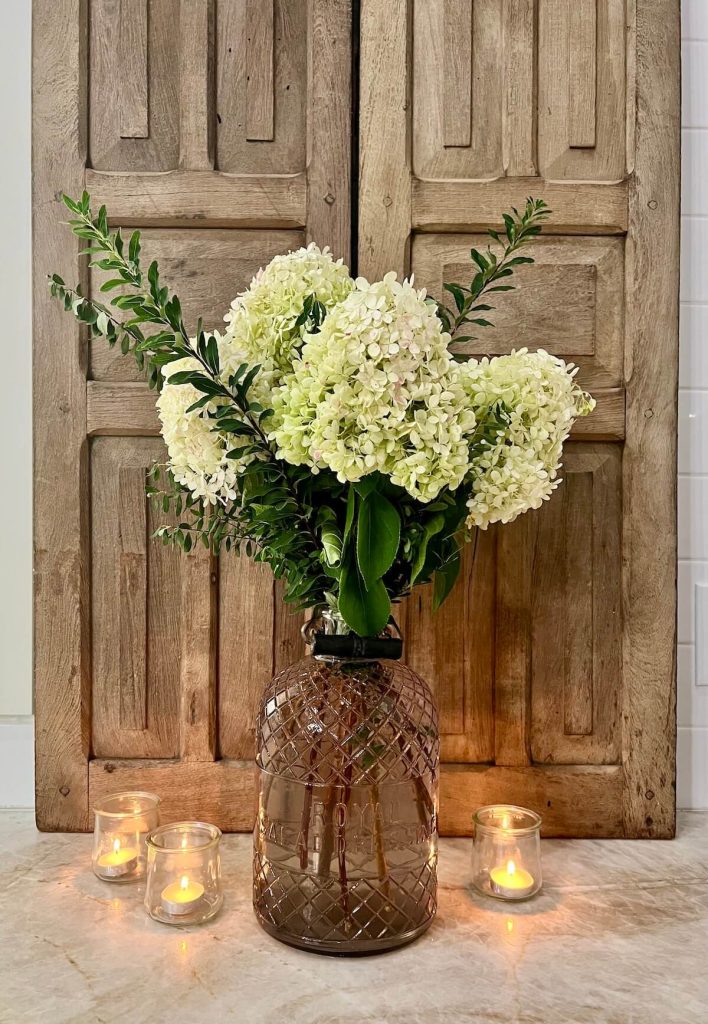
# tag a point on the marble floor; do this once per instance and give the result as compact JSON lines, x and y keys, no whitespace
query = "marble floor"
{"x":618,"y":936}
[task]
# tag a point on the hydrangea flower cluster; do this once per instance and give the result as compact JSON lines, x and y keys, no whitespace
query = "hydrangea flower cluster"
{"x":377,"y":390}
{"x":262,"y":324}
{"x":261,"y":330}
{"x":197,"y":452}
{"x":525,"y":404}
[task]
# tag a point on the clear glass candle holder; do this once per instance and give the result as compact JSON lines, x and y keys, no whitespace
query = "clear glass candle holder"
{"x":183,"y":873}
{"x":506,"y":857}
{"x":121,"y":824}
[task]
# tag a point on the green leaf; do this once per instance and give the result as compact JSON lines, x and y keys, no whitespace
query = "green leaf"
{"x":365,"y":611}
{"x":445,"y":579}
{"x":458,"y":294}
{"x":366,"y":485}
{"x":432,"y":527}
{"x":377,"y":537}
{"x":351,"y":508}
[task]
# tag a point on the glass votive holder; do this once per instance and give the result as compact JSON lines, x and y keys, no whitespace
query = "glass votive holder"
{"x":506,"y":856}
{"x":121,"y":824}
{"x":183,"y":873}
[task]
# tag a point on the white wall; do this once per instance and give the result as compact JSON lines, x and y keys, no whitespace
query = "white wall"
{"x":15,"y":543}
{"x":16,"y":783}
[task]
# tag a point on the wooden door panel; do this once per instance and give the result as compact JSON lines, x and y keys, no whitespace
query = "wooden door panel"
{"x":136,"y":50}
{"x":261,"y":101}
{"x":221,"y":129}
{"x":209,"y":267}
{"x":570,"y":302}
{"x":582,"y":86}
{"x":553,"y":660}
{"x":136,"y":607}
{"x":226,"y":138}
{"x":576,"y":617}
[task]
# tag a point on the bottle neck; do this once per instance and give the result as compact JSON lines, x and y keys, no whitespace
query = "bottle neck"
{"x":331,"y":639}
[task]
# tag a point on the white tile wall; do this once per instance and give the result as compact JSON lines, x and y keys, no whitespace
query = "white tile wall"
{"x":693,"y":415}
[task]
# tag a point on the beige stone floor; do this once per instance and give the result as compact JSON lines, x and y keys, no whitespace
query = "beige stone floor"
{"x":619,"y":935}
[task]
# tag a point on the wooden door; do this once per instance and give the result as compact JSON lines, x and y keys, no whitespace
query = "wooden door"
{"x":222,"y":129}
{"x":554,"y":660}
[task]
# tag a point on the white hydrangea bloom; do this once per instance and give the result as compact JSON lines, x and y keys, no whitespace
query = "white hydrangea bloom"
{"x":377,"y":390}
{"x":261,"y":322}
{"x":196,"y":452}
{"x":525,"y":405}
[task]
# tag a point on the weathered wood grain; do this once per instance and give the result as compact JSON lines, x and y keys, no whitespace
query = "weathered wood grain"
{"x":196,"y":85}
{"x":519,"y":118}
{"x":281,"y":83}
{"x":124,"y":410}
{"x":136,"y":612}
{"x":649,"y":465}
{"x":583,"y":208}
{"x":457,"y":85}
{"x":555,"y":655}
{"x":582,"y":74}
{"x":133,"y":597}
{"x":573,"y":800}
{"x":259,"y":70}
{"x":200,"y":198}
{"x":582,"y":89}
{"x":384,"y":175}
{"x":329,"y":146}
{"x":62,"y":674}
{"x":198,"y":665}
{"x":134,"y":63}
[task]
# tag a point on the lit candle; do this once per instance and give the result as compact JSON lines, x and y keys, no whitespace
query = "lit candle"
{"x":511,"y":882}
{"x":122,"y":860}
{"x":181,"y":897}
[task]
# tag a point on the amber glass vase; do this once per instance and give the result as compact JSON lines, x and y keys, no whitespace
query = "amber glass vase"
{"x":345,"y":843}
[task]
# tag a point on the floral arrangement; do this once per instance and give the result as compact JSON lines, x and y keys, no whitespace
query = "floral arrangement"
{"x":332,"y":430}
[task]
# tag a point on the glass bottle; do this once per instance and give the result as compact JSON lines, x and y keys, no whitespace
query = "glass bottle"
{"x":345,"y":842}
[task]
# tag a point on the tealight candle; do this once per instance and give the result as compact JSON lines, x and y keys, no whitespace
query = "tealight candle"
{"x":181,"y":897}
{"x":122,"y":822}
{"x":510,"y":882}
{"x":122,"y":860}
{"x":507,"y":852}
{"x":183,"y":873}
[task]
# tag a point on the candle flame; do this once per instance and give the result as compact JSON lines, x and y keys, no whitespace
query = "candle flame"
{"x":116,"y":845}
{"x":509,"y":926}
{"x":184,"y":882}
{"x":510,"y":867}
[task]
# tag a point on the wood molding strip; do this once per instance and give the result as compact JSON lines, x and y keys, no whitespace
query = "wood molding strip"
{"x":649,"y":457}
{"x":457,"y":74}
{"x":519,"y":100}
{"x":201,"y":198}
{"x":579,"y":208}
{"x":582,"y":74}
{"x":133,"y":589}
{"x":128,"y":409}
{"x":260,"y":70}
{"x":62,"y":649}
{"x":198,"y":626}
{"x":196,"y":85}
{"x":133,"y":62}
{"x":572,"y":800}
{"x":329,"y":128}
